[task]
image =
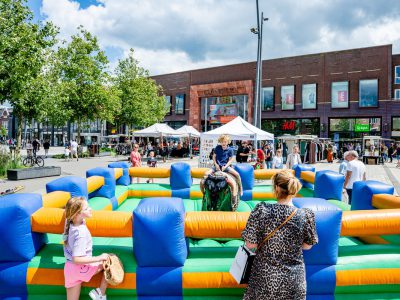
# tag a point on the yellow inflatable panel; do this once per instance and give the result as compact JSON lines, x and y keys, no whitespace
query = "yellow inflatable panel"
{"x":94,"y":183}
{"x":40,"y":276}
{"x":263,"y":195}
{"x":122,"y":197}
{"x":149,"y":172}
{"x":375,"y":239}
{"x":102,"y":223}
{"x":196,"y":194}
{"x":56,"y":199}
{"x":118,"y":172}
{"x":370,"y":222}
{"x":209,"y":280}
{"x":385,"y":201}
{"x":266,"y":173}
{"x":198,"y":172}
{"x":213,"y":224}
{"x":150,"y":193}
{"x":308,"y":176}
{"x":367,"y":277}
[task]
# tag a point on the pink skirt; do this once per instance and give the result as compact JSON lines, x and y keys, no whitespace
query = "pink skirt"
{"x":75,"y":274}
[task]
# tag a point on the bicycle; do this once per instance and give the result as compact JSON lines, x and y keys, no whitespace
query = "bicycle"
{"x":30,"y":161}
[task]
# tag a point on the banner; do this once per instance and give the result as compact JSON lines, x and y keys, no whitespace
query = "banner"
{"x":222,"y":113}
{"x":206,"y":145}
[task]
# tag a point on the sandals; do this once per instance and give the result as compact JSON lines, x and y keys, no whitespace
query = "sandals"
{"x":96,"y":294}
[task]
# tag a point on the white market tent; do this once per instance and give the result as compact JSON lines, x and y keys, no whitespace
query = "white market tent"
{"x":189,"y":131}
{"x":157,"y":130}
{"x":239,"y":129}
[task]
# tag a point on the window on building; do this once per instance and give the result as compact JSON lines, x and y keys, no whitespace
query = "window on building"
{"x":309,"y":96}
{"x":396,"y":123}
{"x":340,"y":94}
{"x":397,"y":74}
{"x":368,"y":91}
{"x":287,"y":97}
{"x":180,"y":104}
{"x":268,"y":98}
{"x":397,"y":94}
{"x":169,"y":104}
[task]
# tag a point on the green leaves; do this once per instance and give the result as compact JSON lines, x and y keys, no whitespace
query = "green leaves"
{"x":141,"y":100}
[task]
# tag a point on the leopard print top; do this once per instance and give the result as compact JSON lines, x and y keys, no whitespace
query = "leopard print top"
{"x":278,"y":270}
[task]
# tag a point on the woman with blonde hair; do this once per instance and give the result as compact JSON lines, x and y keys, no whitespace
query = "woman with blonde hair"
{"x":279,"y":232}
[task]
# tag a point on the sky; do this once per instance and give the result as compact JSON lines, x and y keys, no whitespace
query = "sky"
{"x":177,"y":35}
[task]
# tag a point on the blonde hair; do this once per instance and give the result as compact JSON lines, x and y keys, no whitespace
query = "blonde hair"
{"x":224,"y":137}
{"x":287,"y":183}
{"x":73,"y":208}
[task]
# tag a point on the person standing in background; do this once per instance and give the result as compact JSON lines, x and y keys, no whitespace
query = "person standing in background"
{"x":46,"y":147}
{"x":293,"y":158}
{"x":356,"y":171}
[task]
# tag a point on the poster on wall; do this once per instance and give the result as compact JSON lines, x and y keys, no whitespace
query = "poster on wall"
{"x":287,"y":97}
{"x":340,"y":94}
{"x":206,"y":145}
{"x":309,"y":96}
{"x":222,"y":113}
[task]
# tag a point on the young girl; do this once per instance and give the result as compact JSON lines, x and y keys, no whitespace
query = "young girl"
{"x":80,"y":266}
{"x":136,"y":159}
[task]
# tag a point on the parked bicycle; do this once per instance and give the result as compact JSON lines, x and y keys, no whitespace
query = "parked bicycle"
{"x":31,"y":161}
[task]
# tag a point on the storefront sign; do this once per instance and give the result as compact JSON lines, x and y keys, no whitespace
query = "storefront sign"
{"x":222,"y":91}
{"x":289,"y":125}
{"x":361,"y":128}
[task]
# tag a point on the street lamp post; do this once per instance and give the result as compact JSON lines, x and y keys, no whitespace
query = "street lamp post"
{"x":258,"y":92}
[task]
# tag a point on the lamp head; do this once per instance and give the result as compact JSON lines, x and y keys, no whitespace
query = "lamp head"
{"x":254,"y":30}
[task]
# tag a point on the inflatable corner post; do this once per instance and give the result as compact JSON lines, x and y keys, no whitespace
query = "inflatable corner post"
{"x":297,"y":172}
{"x":160,"y":247}
{"x":328,"y":185}
{"x":363,"y":192}
{"x":76,"y":186}
{"x":107,"y":190}
{"x":125,"y":178}
{"x":180,"y":180}
{"x":18,"y":243}
{"x":246,"y":173}
{"x":321,"y":259}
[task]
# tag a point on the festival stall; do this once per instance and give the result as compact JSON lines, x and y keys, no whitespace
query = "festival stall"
{"x":190,"y":132}
{"x":237,"y":129}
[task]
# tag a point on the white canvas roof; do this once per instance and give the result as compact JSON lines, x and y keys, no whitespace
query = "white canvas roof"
{"x":239,"y":129}
{"x":188,"y":130}
{"x":157,"y":130}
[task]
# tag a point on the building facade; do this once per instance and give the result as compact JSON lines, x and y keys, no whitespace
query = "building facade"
{"x":342,"y":94}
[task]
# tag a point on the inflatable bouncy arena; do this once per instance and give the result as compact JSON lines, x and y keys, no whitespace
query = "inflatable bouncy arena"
{"x":172,"y":250}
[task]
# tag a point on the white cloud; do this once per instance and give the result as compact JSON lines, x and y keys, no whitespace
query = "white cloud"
{"x":178,"y":35}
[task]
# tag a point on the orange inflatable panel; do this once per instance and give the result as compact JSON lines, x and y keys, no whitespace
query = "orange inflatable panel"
{"x":56,"y":199}
{"x":308,"y":176}
{"x":215,"y":224}
{"x":198,"y":172}
{"x":266,"y":173}
{"x":102,"y":223}
{"x":385,"y":201}
{"x":370,"y":222}
{"x":209,"y":280}
{"x":149,"y":172}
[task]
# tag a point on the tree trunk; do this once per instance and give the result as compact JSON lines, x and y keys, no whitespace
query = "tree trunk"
{"x":17,"y":153}
{"x":79,"y":132}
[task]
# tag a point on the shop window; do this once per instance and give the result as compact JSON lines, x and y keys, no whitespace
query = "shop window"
{"x":368,"y":91}
{"x":268,"y":98}
{"x":340,"y":94}
{"x":169,"y":104}
{"x":309,"y":96}
{"x":397,"y":94}
{"x":180,"y":104}
{"x":397,"y":74}
{"x":396,"y":123}
{"x":287,"y":97}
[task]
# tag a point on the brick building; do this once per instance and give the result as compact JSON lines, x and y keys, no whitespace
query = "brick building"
{"x":346,"y":94}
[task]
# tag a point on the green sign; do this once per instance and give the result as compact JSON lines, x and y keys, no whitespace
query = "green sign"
{"x":361,"y":128}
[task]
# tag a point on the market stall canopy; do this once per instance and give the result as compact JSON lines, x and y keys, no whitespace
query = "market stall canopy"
{"x":157,"y":130}
{"x":239,"y":129}
{"x":188,"y":131}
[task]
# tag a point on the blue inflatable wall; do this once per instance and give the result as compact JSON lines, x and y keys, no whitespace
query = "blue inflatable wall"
{"x":328,"y":185}
{"x":246,"y":173}
{"x":180,"y":180}
{"x":108,"y":189}
{"x":303,"y":167}
{"x":364,"y":190}
{"x":125,"y":179}
{"x":76,"y":186}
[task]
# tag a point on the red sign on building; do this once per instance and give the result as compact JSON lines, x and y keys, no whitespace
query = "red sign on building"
{"x":289,"y":125}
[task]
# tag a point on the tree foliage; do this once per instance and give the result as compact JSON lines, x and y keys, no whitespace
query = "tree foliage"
{"x":142,"y":103}
{"x":23,"y":47}
{"x":85,"y":81}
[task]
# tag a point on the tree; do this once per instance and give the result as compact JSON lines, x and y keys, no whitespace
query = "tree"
{"x":23,"y":47}
{"x":85,"y":81}
{"x":142,"y":103}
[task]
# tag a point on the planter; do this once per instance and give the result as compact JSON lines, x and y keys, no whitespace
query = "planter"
{"x":104,"y":154}
{"x":29,"y":173}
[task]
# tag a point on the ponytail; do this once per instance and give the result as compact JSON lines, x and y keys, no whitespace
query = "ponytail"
{"x":287,"y":183}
